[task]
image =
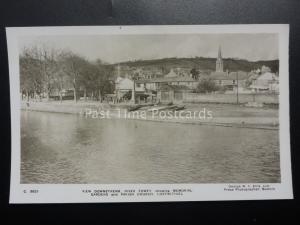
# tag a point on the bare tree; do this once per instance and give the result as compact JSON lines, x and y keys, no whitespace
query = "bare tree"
{"x":60,"y":80}
{"x":102,"y":79}
{"x":48,"y":66}
{"x":46,"y":69}
{"x":74,"y":67}
{"x":31,"y":80}
{"x":40,"y":62}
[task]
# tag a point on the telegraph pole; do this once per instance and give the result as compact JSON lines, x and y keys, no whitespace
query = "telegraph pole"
{"x":237,"y":87}
{"x":134,"y":78}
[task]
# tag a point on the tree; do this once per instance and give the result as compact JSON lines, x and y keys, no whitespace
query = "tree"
{"x":74,"y":67}
{"x":37,"y":69}
{"x":47,"y":66}
{"x":195,"y":74}
{"x":60,"y":79}
{"x":43,"y":70}
{"x":206,"y":86}
{"x":87,"y":79}
{"x":103,"y":82}
{"x":30,"y":79}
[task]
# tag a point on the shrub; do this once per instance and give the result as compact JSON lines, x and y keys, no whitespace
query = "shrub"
{"x":206,"y":86}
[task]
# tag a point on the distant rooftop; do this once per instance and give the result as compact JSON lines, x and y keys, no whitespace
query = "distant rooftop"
{"x":229,"y":76}
{"x":167,"y":87}
{"x":213,"y":75}
{"x":167,"y":79}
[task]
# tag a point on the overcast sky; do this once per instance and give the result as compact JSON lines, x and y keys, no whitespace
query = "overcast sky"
{"x":118,"y":48}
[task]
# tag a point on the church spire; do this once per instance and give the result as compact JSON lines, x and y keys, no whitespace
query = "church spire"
{"x":219,"y":62}
{"x":220,"y":53}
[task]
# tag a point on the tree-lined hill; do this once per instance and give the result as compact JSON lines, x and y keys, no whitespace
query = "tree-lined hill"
{"x":203,"y":64}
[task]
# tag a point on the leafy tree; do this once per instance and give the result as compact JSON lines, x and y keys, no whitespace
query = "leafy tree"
{"x":195,"y":74}
{"x":206,"y":86}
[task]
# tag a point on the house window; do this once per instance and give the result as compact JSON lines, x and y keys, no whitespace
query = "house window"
{"x":138,"y":85}
{"x":233,"y":81}
{"x":220,"y":82}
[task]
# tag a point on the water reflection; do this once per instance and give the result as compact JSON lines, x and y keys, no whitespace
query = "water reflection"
{"x":62,"y":148}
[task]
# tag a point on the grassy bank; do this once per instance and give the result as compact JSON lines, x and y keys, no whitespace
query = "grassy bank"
{"x":221,"y":114}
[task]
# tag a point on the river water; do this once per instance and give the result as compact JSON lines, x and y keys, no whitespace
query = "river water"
{"x":64,"y":148}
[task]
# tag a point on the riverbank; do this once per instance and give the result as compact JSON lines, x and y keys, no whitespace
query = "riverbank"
{"x":227,"y":115}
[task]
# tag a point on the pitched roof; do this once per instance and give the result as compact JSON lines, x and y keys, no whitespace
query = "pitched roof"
{"x":167,"y":79}
{"x":174,"y":87}
{"x":171,"y":74}
{"x":228,"y":76}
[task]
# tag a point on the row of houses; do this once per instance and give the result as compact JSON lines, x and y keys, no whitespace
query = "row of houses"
{"x":232,"y":82}
{"x":175,"y":83}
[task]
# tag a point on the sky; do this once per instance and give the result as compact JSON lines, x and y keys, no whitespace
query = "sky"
{"x":120,"y":48}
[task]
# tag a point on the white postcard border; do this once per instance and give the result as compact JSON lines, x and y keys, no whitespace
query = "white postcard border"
{"x":74,"y":193}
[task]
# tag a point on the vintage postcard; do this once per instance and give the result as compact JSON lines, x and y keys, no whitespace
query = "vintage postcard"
{"x":149,"y":113}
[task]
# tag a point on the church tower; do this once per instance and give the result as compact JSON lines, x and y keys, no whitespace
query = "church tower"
{"x":219,"y":62}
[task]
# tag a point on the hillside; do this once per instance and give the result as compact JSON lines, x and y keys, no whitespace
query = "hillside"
{"x":203,"y":64}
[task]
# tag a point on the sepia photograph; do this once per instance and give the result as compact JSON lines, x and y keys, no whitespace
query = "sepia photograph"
{"x":148,"y":107}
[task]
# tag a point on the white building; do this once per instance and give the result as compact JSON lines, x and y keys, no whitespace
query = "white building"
{"x":124,"y":85}
{"x":267,"y":82}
